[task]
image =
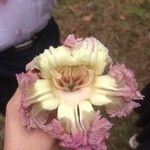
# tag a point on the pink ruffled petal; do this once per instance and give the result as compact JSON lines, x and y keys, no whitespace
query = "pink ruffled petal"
{"x":32,"y":114}
{"x":35,"y":90}
{"x":121,"y":110}
{"x":25,"y":79}
{"x":93,"y":139}
{"x":41,"y":121}
{"x":99,"y":132}
{"x":26,"y":118}
{"x":71,"y":41}
{"x":126,"y":80}
{"x":26,"y":82}
{"x":128,"y":92}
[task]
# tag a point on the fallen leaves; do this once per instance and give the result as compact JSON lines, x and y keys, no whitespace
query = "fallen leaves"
{"x":88,"y":17}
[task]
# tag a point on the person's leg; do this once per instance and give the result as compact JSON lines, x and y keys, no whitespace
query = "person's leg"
{"x":14,"y":60}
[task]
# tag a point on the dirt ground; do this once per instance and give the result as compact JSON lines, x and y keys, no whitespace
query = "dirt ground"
{"x":124,"y":28}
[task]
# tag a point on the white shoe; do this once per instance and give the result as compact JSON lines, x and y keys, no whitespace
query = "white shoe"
{"x":133,"y":142}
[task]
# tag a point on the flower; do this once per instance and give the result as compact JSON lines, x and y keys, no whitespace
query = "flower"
{"x":70,"y":79}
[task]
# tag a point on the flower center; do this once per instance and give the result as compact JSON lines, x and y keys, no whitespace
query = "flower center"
{"x":72,"y":78}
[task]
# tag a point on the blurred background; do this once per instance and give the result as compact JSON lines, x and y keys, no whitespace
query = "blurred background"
{"x":123,"y":26}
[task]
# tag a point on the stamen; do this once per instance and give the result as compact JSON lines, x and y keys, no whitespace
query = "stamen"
{"x":72,"y":78}
{"x":59,"y":86}
{"x":55,"y":74}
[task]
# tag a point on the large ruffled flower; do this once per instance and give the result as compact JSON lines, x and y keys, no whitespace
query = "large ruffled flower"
{"x":70,"y":79}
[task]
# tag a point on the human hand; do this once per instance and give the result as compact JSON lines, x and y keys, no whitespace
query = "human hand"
{"x":17,"y":137}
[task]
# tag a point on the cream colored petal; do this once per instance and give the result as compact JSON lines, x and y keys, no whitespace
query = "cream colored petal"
{"x":74,"y":97}
{"x":90,"y":52}
{"x":112,"y":103}
{"x":50,"y":103}
{"x":62,"y":56}
{"x":95,"y":49}
{"x":67,"y":114}
{"x":86,"y":113}
{"x":99,"y":57}
{"x":106,"y":82}
{"x":106,"y":92}
{"x":46,"y":63}
{"x":103,"y":60}
{"x":82,"y":52}
{"x":51,"y":58}
{"x":34,"y":64}
{"x":37,"y":92}
{"x":100,"y":100}
{"x":107,"y":85}
{"x":109,"y":92}
{"x":81,"y":58}
{"x":86,"y":52}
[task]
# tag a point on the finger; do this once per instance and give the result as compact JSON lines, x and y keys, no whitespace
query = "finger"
{"x":14,"y":104}
{"x":16,"y":96}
